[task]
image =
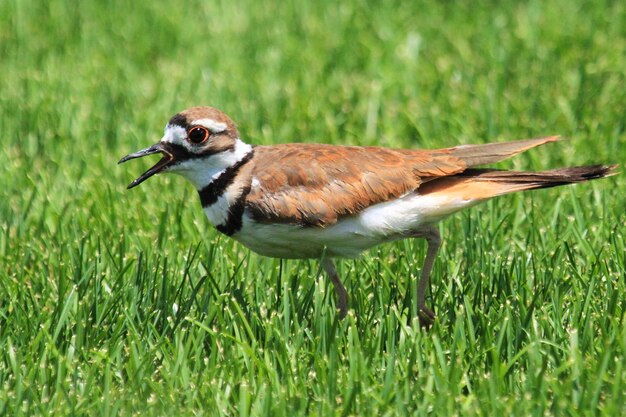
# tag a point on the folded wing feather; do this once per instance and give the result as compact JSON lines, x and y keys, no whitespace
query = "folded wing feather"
{"x":315,"y":185}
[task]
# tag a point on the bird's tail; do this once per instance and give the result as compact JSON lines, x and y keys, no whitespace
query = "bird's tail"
{"x":481,"y":184}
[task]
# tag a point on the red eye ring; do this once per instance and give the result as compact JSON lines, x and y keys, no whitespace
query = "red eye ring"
{"x":198,"y":134}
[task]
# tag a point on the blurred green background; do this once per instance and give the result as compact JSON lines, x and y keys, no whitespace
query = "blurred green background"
{"x":129,"y":303}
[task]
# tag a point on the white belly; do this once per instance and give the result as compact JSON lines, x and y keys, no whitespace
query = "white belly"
{"x":351,"y":235}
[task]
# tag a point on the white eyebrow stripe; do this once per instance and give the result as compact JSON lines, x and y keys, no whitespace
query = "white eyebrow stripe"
{"x":213,"y":125}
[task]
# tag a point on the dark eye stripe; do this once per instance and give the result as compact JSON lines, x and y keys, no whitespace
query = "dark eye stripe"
{"x":181,"y":153}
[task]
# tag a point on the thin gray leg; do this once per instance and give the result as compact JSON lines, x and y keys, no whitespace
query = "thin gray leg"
{"x":340,"y":290}
{"x":425,"y":314}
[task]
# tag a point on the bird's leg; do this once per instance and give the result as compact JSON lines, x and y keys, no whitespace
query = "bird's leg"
{"x":425,"y":314}
{"x":340,"y":290}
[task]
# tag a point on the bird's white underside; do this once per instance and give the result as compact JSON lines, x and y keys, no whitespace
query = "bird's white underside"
{"x":384,"y":222}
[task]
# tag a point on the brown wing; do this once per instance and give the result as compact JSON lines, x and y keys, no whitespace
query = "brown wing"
{"x":314,"y":185}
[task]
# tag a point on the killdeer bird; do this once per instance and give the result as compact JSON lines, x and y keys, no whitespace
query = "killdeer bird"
{"x":303,"y":200}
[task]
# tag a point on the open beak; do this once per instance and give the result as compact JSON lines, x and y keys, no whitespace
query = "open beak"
{"x":164,"y":162}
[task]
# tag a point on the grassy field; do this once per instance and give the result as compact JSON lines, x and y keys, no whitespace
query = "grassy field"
{"x":129,"y":303}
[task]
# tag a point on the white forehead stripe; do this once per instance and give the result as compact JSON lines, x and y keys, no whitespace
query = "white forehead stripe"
{"x":174,"y":134}
{"x":212,"y":125}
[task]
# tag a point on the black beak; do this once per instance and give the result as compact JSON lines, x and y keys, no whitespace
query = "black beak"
{"x":167,"y":160}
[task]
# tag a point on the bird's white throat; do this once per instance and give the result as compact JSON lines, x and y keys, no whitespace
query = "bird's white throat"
{"x":203,"y":171}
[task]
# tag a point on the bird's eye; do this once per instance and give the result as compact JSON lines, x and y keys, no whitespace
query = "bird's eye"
{"x":198,"y":134}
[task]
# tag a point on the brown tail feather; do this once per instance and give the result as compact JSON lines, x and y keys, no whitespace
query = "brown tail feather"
{"x":480,"y":184}
{"x":529,"y":180}
{"x":490,"y":153}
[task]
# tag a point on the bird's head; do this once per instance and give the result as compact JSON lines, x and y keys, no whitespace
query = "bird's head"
{"x":194,"y":140}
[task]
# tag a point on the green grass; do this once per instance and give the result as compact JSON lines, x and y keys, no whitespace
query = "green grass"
{"x":129,"y":303}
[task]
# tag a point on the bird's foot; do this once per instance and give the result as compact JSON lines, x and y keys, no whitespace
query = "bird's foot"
{"x":426,"y":317}
{"x":342,"y":304}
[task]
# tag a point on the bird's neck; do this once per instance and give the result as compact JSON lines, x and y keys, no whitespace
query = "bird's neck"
{"x":202,"y":172}
{"x":223,"y":182}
